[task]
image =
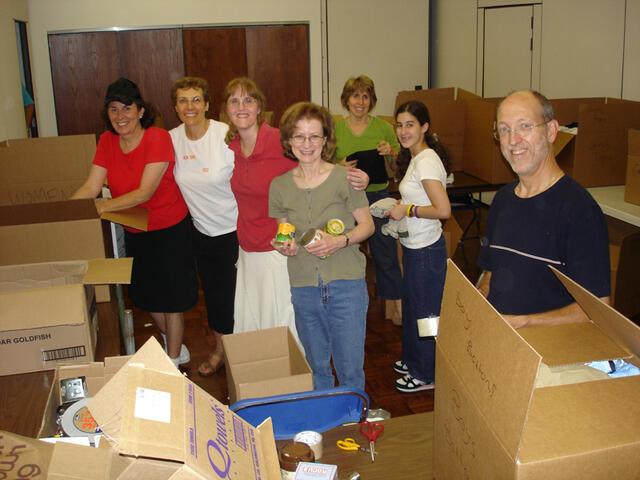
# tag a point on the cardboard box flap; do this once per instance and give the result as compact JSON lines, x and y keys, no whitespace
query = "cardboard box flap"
{"x":572,"y":343}
{"x":624,"y":332}
{"x":487,"y":355}
{"x":153,"y":423}
{"x":108,"y":271}
{"x":107,"y":405}
{"x":135,"y":217}
{"x":562,"y":140}
{"x":41,"y":307}
{"x":573,"y":419}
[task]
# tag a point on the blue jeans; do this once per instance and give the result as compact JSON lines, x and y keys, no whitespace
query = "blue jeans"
{"x":424,"y":274}
{"x":384,"y":251}
{"x":331,"y":322}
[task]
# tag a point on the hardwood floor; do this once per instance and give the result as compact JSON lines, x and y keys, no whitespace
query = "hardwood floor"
{"x":382,"y":347}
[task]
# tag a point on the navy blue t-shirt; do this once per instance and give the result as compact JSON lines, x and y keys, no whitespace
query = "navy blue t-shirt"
{"x":563,"y":227}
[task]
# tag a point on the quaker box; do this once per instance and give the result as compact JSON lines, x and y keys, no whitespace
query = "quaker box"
{"x":490,"y":419}
{"x":48,"y":312}
{"x":157,"y":424}
{"x":632,"y":185}
{"x":264,"y":363}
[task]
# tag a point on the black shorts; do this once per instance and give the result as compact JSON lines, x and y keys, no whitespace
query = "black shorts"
{"x":164,"y":276}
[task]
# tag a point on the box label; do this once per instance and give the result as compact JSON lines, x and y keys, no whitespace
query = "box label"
{"x":154,"y":405}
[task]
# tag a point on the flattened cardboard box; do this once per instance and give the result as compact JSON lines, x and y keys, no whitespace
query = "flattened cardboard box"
{"x":491,"y":421}
{"x":264,"y":363}
{"x":632,"y":185}
{"x":148,"y":409}
{"x":48,"y":312}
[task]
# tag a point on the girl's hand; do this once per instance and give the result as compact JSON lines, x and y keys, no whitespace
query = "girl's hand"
{"x":327,"y":245}
{"x":384,"y":148}
{"x":289,"y":249}
{"x":398,"y":212}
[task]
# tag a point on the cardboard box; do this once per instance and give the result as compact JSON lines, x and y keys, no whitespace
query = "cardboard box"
{"x":597,"y":156}
{"x":49,"y":169}
{"x":48,"y":314}
{"x":632,"y":184}
{"x":37,"y":222}
{"x":448,"y":113}
{"x":264,"y":363}
{"x":148,"y":409}
{"x":491,"y":421}
{"x":211,"y":440}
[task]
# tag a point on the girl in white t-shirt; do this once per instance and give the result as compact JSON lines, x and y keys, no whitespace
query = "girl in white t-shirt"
{"x":424,"y":203}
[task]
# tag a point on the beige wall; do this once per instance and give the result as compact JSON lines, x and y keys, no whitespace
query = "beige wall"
{"x":59,"y":15}
{"x":631,"y":74}
{"x":387,"y":41}
{"x":12,"y":122}
{"x":453,"y":49}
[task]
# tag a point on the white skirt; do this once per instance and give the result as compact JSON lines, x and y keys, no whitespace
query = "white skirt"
{"x":263,"y":293}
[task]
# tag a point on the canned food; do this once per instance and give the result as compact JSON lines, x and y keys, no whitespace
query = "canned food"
{"x":286,"y":233}
{"x":309,"y":237}
{"x":335,"y":226}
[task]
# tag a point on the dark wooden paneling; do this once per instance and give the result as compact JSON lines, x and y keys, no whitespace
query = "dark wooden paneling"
{"x":153,"y":59}
{"x":278,"y":60}
{"x":217,"y":55}
{"x":82,"y":65}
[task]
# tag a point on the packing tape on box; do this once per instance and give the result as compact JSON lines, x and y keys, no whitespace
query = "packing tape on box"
{"x":428,"y":327}
{"x":77,"y":421}
{"x":311,"y":438}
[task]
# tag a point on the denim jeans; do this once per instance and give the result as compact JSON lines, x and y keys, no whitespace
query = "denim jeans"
{"x":331,"y":322}
{"x":384,"y":251}
{"x":424,"y":274}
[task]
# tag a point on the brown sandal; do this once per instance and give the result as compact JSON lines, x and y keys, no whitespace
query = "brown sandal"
{"x":210,"y":366}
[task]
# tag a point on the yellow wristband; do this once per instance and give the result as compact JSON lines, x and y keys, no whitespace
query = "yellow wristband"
{"x":409,"y":207}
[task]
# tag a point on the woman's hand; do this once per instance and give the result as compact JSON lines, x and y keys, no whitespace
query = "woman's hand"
{"x":327,"y":244}
{"x":357,"y":178}
{"x":384,"y":148}
{"x":288,"y":249}
{"x":398,"y":212}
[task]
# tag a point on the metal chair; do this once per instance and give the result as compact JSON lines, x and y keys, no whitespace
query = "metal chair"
{"x":317,"y":410}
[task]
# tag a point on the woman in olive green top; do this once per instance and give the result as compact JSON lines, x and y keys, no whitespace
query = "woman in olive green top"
{"x":328,"y":289}
{"x":366,"y":141}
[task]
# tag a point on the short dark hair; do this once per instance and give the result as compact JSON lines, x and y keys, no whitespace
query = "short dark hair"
{"x":186,"y":83}
{"x":126,"y":92}
{"x":310,"y":111}
{"x":354,"y":84}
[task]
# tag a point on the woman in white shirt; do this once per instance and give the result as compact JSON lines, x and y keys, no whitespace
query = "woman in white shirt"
{"x":424,"y":203}
{"x":204,"y":164}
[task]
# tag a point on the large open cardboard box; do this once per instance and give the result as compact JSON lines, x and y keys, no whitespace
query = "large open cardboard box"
{"x":37,"y":222}
{"x":48,"y":314}
{"x":264,"y":363}
{"x":158,"y":426}
{"x":632,"y":184}
{"x":597,"y":156}
{"x":491,"y":421}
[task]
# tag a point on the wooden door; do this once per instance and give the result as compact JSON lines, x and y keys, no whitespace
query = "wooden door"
{"x":153,"y":60}
{"x":217,"y":55}
{"x":82,"y":65}
{"x":275,"y":56}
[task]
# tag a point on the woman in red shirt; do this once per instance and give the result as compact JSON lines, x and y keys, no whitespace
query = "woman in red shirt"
{"x":137,"y":161}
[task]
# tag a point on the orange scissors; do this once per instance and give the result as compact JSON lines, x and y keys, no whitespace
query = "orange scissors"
{"x":372,"y":430}
{"x":350,"y":445}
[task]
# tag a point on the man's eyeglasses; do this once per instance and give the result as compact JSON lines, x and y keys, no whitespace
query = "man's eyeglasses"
{"x":235,"y":102}
{"x":313,"y":139}
{"x":522,"y":130}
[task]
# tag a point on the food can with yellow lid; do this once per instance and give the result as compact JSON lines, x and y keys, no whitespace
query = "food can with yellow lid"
{"x":286,"y":233}
{"x":335,"y":226}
